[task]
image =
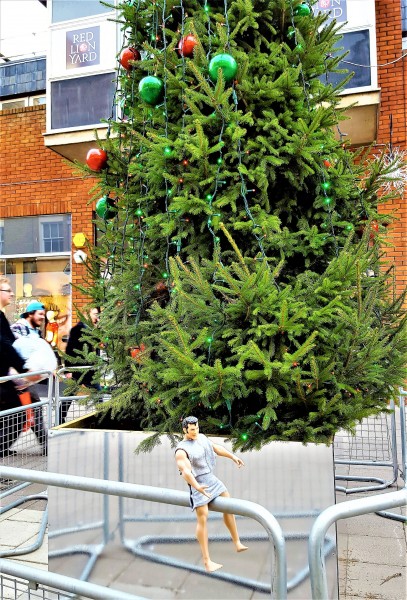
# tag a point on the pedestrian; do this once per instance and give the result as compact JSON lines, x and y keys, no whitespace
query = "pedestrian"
{"x":75,"y":348}
{"x":195,"y":457}
{"x":29,"y":326}
{"x":10,"y":425}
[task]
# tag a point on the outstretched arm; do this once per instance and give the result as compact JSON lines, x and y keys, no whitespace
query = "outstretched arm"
{"x":185,"y":469}
{"x":221,"y":451}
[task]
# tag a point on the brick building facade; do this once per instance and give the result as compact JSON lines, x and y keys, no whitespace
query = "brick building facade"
{"x":392,"y":80}
{"x":35,"y":181}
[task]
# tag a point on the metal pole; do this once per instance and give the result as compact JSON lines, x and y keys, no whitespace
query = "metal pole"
{"x":243,"y":508}
{"x":106,"y":531}
{"x":351,"y":508}
{"x":61,"y":582}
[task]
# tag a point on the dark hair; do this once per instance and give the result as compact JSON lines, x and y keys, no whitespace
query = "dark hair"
{"x":189,"y":421}
{"x":27,"y":314}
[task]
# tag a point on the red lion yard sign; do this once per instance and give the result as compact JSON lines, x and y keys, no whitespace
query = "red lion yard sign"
{"x":82,"y":47}
{"x":335,"y":8}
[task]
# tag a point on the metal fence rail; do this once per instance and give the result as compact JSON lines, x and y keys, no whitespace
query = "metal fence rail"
{"x":243,"y":508}
{"x":91,"y":550}
{"x":403,"y":466}
{"x":351,"y":508}
{"x":373,"y":445}
{"x":68,"y":408}
{"x":11,"y":588}
{"x":28,"y":450}
{"x":141,"y":546}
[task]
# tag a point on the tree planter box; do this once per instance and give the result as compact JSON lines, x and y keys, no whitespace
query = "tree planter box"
{"x":294,"y":482}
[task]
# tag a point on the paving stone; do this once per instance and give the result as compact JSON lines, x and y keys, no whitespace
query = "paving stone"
{"x":376,"y":581}
{"x":371,"y":525}
{"x":27,"y":516}
{"x":38,"y":556}
{"x":377,"y":550}
{"x":9,"y":513}
{"x":17,"y":532}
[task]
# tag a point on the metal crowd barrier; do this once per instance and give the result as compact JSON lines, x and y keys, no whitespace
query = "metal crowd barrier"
{"x":138,"y":547}
{"x":74,"y":406}
{"x":94,"y":550}
{"x":243,"y":508}
{"x":403,"y":443}
{"x":351,"y":508}
{"x":373,"y":445}
{"x":27,"y":452}
{"x":33,"y":578}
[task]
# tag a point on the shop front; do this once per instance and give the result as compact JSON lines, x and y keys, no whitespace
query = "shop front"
{"x":35,"y":256}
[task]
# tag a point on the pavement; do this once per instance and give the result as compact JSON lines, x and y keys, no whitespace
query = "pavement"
{"x":371,"y":550}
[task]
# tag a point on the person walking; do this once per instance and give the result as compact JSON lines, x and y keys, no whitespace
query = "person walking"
{"x":75,"y":348}
{"x":29,"y":326}
{"x":10,"y":425}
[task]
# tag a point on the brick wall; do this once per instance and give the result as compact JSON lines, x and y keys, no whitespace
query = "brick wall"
{"x":393,"y":84}
{"x":34,"y":180}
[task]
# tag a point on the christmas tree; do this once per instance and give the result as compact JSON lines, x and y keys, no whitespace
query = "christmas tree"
{"x":239,"y":261}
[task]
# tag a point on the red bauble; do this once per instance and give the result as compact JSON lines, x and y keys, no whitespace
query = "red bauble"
{"x":134,"y":352}
{"x":96,"y":159}
{"x":374,"y":229}
{"x":160,"y":286}
{"x":327,"y":164}
{"x":128,"y":54}
{"x":186,"y":45}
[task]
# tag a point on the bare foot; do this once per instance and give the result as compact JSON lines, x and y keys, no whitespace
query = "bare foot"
{"x":240,"y":547}
{"x":211,"y":566}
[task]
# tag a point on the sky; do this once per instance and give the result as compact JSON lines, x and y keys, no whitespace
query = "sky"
{"x":23,"y":28}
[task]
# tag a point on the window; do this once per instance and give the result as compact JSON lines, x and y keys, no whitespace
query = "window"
{"x":81,"y":101}
{"x":65,"y":10}
{"x":46,"y":279}
{"x":52,"y":236}
{"x":38,"y":100}
{"x":22,"y":102}
{"x":1,"y":236}
{"x":9,"y":104}
{"x":357,"y":44}
{"x":36,"y":235}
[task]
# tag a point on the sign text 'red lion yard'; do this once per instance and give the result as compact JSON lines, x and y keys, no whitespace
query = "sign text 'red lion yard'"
{"x":82,"y":47}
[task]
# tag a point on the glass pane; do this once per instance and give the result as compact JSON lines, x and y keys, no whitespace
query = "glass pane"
{"x":46,"y":280}
{"x":81,"y":101}
{"x":32,"y":235}
{"x":65,"y":10}
{"x":357,"y":43}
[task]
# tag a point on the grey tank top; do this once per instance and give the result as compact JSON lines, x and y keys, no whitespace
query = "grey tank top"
{"x":200,"y":453}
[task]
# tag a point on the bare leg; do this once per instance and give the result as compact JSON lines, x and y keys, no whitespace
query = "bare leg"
{"x":230,"y":522}
{"x":202,"y":537}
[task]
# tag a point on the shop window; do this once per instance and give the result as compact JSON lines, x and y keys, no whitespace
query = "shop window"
{"x":81,"y":101}
{"x":46,"y":279}
{"x":66,"y":10}
{"x":1,"y":236}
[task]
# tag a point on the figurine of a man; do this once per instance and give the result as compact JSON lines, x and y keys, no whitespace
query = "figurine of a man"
{"x":195,"y":457}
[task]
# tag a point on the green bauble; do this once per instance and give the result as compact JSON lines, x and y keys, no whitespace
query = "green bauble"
{"x":302,"y":10}
{"x":227,"y":63}
{"x":151,"y":89}
{"x":106,"y":208}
